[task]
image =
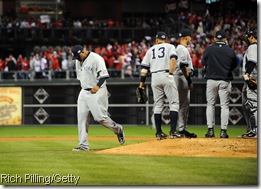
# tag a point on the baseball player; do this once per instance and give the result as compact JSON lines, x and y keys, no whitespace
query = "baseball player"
{"x":160,"y":59}
{"x":182,"y":73}
{"x":250,"y":71}
{"x":93,"y":97}
{"x":219,"y":61}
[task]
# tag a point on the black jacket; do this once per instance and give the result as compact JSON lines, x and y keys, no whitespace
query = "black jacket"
{"x":219,"y":61}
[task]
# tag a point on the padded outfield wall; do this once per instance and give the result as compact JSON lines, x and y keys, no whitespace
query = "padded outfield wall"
{"x":45,"y":102}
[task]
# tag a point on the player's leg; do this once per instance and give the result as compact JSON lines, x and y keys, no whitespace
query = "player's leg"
{"x":184,"y":100}
{"x":83,"y":118}
{"x":172,"y":95}
{"x":252,"y":103}
{"x":157,"y":81}
{"x":224,"y":94}
{"x":98,"y":104}
{"x":211,"y":95}
{"x":158,"y":96}
{"x":245,"y":108}
{"x":153,"y":126}
{"x":182,"y":86}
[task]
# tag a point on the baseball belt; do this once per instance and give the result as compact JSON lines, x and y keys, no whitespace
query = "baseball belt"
{"x":161,"y":71}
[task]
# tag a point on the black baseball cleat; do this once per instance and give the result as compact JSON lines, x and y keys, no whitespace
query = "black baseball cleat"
{"x":174,"y":134}
{"x":249,"y":134}
{"x":121,"y":137}
{"x":80,"y":149}
{"x":223,"y":133}
{"x":161,"y":136}
{"x":210,"y":133}
{"x":187,"y":134}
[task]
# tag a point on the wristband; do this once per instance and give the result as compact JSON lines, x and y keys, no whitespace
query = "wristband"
{"x":101,"y":81}
{"x":142,"y":79}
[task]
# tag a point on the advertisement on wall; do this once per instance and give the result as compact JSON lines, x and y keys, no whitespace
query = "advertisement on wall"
{"x":36,"y":7}
{"x":10,"y":106}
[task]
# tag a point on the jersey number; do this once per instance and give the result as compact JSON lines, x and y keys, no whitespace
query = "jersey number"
{"x":161,"y":53}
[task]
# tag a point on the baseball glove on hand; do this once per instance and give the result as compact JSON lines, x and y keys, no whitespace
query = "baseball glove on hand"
{"x":252,"y":84}
{"x":142,"y":97}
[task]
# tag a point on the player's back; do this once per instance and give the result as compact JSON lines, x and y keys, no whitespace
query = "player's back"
{"x":158,"y":56}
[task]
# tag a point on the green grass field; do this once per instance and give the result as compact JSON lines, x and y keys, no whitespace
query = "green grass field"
{"x":36,"y":162}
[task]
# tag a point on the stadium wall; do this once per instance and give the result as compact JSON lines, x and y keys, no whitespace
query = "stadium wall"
{"x":45,"y":102}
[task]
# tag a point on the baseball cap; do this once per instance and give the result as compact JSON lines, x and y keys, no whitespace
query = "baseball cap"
{"x":184,"y":33}
{"x":161,"y":35}
{"x":221,"y":34}
{"x":76,"y":51}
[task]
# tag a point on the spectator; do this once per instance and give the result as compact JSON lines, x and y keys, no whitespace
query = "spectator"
{"x":55,"y":66}
{"x":23,"y":67}
{"x":64,"y":67}
{"x":44,"y":66}
{"x":2,"y":67}
{"x":71,"y":66}
{"x":10,"y":67}
{"x":2,"y":64}
{"x":37,"y":66}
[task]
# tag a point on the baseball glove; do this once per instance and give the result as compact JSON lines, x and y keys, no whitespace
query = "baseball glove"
{"x":252,"y":84}
{"x":142,"y":97}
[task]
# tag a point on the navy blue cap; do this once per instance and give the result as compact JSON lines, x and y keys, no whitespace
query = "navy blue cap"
{"x":221,"y":34}
{"x":184,"y":33}
{"x":76,"y":51}
{"x":161,"y":35}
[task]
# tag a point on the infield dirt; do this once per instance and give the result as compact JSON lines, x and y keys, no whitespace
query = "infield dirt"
{"x":194,"y":147}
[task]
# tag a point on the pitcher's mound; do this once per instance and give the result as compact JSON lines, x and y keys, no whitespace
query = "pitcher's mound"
{"x":197,"y":147}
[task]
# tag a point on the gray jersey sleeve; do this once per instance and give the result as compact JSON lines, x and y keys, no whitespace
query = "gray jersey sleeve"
{"x":101,"y":68}
{"x":184,"y":58}
{"x":252,"y":53}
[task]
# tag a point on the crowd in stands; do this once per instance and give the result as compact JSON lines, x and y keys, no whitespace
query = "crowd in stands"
{"x":123,"y":60}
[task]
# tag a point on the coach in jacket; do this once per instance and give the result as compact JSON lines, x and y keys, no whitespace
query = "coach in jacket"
{"x":219,"y":61}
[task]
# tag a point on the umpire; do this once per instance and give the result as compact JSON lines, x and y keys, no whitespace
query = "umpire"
{"x":219,"y":61}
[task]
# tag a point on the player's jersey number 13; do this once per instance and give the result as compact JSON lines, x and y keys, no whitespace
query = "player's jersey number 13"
{"x":160,"y":53}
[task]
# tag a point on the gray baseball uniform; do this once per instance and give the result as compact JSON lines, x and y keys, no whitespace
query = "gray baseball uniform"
{"x":251,"y":55}
{"x":182,"y":85}
{"x":160,"y":59}
{"x":157,"y":60}
{"x":89,"y":72}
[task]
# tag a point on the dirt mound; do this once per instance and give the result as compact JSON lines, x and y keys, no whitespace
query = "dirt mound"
{"x":197,"y":147}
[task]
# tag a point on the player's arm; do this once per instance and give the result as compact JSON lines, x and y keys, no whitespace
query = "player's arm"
{"x":185,"y":72}
{"x":99,"y":84}
{"x":252,"y":84}
{"x":250,"y":65}
{"x":251,"y":59}
{"x":173,"y":62}
{"x":143,"y":76}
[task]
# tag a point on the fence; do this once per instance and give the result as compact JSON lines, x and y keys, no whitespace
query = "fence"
{"x":52,"y":102}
